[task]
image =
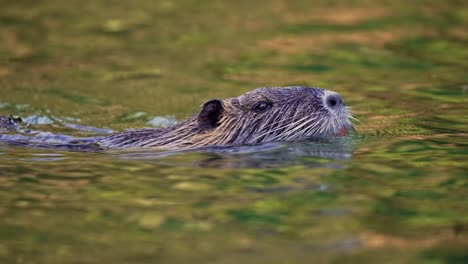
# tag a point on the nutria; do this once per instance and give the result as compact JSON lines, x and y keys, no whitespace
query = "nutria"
{"x":262,"y":115}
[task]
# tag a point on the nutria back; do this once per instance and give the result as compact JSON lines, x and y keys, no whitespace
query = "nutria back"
{"x":262,"y":115}
{"x":7,"y":123}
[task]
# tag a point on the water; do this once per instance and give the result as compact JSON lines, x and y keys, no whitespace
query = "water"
{"x":395,"y":192}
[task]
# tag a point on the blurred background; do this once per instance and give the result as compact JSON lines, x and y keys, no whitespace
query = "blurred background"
{"x":401,"y":197}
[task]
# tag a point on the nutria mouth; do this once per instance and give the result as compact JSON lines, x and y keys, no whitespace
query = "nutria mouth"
{"x":262,"y":115}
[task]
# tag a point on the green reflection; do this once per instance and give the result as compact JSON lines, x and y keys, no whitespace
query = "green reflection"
{"x":400,"y":196}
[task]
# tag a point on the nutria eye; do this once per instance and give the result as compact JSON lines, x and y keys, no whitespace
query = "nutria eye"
{"x":334,"y":100}
{"x":262,"y":106}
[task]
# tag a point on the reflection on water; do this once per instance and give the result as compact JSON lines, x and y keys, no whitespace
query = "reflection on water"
{"x":395,"y":192}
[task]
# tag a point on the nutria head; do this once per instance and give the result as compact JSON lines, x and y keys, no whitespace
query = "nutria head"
{"x":274,"y":114}
{"x":262,"y":115}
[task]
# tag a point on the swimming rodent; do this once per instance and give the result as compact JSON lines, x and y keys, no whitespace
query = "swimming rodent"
{"x":268,"y":114}
{"x":263,"y":115}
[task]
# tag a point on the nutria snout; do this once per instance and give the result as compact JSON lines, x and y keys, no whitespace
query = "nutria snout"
{"x":263,"y":115}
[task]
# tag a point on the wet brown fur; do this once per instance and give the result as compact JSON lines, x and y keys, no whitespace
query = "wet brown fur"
{"x":292,"y":113}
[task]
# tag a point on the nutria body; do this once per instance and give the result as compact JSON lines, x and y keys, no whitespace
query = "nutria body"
{"x":262,"y":115}
{"x":7,"y":123}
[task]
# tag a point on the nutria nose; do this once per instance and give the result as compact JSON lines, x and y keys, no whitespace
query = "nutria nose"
{"x":334,"y":101}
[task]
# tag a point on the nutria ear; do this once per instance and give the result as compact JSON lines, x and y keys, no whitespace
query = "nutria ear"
{"x":210,"y":114}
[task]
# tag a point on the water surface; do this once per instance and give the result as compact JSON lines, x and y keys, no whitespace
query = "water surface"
{"x":395,"y":192}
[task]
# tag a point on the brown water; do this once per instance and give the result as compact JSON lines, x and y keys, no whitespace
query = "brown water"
{"x":395,"y":192}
